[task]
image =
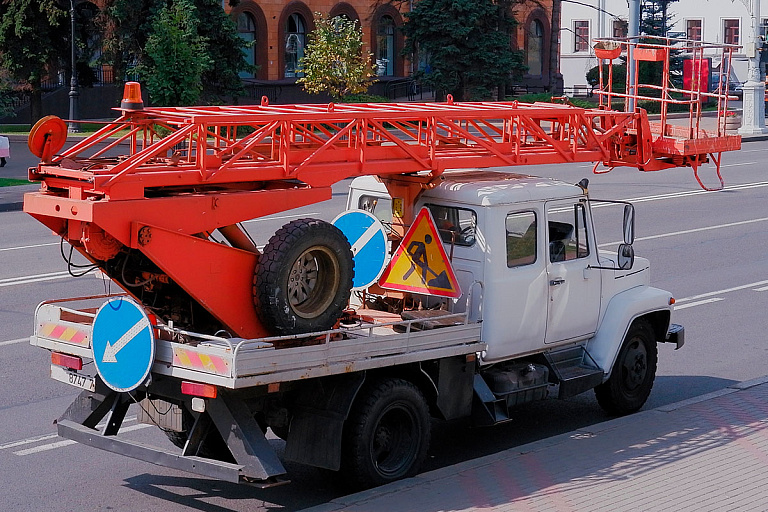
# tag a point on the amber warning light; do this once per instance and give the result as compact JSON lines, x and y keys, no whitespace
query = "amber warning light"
{"x":132,"y":97}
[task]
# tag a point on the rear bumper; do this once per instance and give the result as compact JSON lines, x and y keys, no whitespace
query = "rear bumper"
{"x":676,"y":335}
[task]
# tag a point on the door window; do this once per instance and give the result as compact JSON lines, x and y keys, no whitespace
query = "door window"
{"x":521,"y":239}
{"x":568,"y":236}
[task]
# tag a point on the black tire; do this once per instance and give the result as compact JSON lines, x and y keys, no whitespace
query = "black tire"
{"x":633,"y":373}
{"x":386,"y":436}
{"x":304,"y":277}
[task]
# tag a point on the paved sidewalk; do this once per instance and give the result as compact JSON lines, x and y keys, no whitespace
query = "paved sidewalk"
{"x":709,"y":453}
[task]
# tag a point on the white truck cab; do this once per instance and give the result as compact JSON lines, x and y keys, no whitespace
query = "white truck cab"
{"x":527,"y":249}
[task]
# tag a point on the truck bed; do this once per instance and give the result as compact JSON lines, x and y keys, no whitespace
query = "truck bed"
{"x":377,"y":340}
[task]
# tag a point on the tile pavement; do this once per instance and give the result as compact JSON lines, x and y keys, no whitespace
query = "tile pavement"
{"x":709,"y":453}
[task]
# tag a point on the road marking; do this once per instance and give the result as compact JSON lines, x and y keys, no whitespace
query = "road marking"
{"x":763,"y":289}
{"x":12,"y":281}
{"x":67,"y":442}
{"x":31,"y":440}
{"x":688,"y":231}
{"x":698,"y":303}
{"x":720,"y":292}
{"x":27,"y":247}
{"x":737,"y":164}
{"x":14,"y":342}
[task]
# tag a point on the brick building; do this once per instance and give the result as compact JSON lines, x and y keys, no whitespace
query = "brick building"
{"x":279,"y":29}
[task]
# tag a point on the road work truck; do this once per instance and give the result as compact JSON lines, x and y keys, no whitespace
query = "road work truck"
{"x":438,"y":293}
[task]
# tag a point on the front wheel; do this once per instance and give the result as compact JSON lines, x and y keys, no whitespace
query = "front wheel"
{"x":387,"y":434}
{"x":633,"y":373}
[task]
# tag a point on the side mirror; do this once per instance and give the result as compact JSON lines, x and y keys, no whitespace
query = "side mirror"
{"x":629,"y":225}
{"x":626,"y":256}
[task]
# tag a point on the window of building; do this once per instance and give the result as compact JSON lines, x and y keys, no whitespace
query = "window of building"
{"x":693,"y":30}
{"x":521,"y":239}
{"x":731,"y":31}
{"x":295,"y":43}
{"x":385,"y":46}
{"x":620,"y":28}
{"x":535,"y":55}
{"x":764,"y":27}
{"x":456,"y":225}
{"x":246,"y":29}
{"x":581,"y":36}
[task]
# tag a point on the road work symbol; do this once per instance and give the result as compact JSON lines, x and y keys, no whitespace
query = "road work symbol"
{"x":420,"y":264}
{"x":123,"y":344}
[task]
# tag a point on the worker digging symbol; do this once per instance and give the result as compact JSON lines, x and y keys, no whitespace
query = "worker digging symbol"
{"x":420,"y":264}
{"x":418,"y":253}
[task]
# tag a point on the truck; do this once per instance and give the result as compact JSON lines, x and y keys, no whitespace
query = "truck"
{"x":218,"y":339}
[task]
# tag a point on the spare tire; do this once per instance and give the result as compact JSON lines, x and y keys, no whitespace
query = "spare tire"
{"x":303,"y":278}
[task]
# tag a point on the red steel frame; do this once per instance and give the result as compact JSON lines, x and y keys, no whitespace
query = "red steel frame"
{"x":185,"y":172}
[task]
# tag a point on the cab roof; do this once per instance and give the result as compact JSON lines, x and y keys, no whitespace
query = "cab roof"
{"x":488,"y":188}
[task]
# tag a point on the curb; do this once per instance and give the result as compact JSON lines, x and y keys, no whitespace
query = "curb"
{"x":360,"y":498}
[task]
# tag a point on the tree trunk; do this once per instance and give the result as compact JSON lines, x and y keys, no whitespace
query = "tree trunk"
{"x":36,"y":102}
{"x":555,"y":78}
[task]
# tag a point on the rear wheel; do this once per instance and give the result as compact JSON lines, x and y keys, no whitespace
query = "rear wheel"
{"x":303,"y":278}
{"x":387,"y":434}
{"x":633,"y":373}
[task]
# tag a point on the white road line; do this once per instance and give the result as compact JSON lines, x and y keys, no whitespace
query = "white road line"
{"x":688,"y":231}
{"x":720,"y":292}
{"x":31,"y":440}
{"x":698,"y":303}
{"x":676,"y":195}
{"x":737,"y":164}
{"x":27,"y":247}
{"x":67,"y":442}
{"x":12,"y":281}
{"x":762,"y":289}
{"x":14,"y":342}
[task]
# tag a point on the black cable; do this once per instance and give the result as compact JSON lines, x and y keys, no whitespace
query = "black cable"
{"x":125,"y":281}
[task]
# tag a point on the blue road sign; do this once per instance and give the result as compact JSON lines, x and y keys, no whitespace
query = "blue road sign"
{"x":368,"y":239}
{"x":123,"y":344}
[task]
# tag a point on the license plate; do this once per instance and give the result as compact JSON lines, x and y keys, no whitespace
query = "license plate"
{"x":73,"y":378}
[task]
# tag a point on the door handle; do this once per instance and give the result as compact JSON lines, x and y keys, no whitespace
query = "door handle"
{"x":556,"y":281}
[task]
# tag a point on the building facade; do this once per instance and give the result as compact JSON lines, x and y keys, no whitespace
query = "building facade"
{"x":713,"y":21}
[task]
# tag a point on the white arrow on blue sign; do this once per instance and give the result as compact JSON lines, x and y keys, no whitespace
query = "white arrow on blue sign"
{"x":123,"y":343}
{"x":368,"y":239}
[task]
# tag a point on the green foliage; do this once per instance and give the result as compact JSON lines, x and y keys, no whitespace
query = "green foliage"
{"x":364,"y":98}
{"x":547,"y":98}
{"x":619,"y":77}
{"x":467,"y":44}
{"x":32,"y":37}
{"x":132,"y":26}
{"x":176,"y":56}
{"x":334,"y":61}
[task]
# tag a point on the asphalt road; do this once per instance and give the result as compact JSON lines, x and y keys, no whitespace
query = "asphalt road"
{"x":709,"y":249}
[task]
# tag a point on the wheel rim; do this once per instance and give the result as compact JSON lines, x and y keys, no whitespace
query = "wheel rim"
{"x":635,"y":366}
{"x":313,"y":282}
{"x":395,"y":440}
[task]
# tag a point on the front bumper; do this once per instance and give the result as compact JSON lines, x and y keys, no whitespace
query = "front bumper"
{"x":676,"y":335}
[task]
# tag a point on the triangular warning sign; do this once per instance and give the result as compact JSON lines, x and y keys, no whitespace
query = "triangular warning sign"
{"x":420,"y":264}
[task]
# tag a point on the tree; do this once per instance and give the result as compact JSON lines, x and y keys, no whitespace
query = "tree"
{"x":33,"y":34}
{"x":655,"y":22}
{"x":175,"y":56}
{"x":334,"y":61}
{"x":130,"y":25}
{"x":468,"y":44}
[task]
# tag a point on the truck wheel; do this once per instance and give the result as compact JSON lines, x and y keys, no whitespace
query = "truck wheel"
{"x":386,"y":436}
{"x":303,"y":278}
{"x":633,"y":373}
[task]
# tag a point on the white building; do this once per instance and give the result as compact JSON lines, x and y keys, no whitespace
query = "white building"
{"x":717,"y":21}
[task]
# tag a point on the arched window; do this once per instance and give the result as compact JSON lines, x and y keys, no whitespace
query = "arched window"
{"x":295,"y":43}
{"x":385,"y":46}
{"x":246,"y":29}
{"x":535,"y":53}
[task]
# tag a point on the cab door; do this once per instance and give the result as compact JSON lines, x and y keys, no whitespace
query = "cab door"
{"x":574,"y":288}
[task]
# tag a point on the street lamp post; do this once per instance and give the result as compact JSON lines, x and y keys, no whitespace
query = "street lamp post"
{"x":753,"y":106}
{"x":74,"y":94}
